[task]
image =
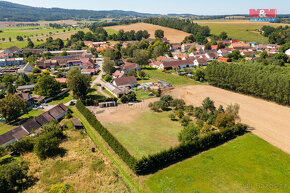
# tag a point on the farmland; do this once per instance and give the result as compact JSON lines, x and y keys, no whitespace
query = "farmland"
{"x":34,"y":33}
{"x":242,"y":30}
{"x":267,"y":119}
{"x":173,"y":35}
{"x":245,"y":164}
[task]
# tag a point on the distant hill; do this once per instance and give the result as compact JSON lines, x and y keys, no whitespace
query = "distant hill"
{"x":16,"y":12}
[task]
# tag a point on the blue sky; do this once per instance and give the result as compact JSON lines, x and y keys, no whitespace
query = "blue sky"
{"x":200,"y":7}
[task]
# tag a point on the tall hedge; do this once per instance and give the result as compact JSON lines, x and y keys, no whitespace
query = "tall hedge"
{"x":107,"y":136}
{"x":159,"y":160}
{"x":268,"y":82}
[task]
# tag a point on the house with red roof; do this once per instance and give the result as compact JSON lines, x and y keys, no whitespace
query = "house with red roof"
{"x":129,"y":67}
{"x":125,"y":81}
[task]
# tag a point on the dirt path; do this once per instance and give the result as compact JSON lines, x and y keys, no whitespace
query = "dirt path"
{"x":269,"y":120}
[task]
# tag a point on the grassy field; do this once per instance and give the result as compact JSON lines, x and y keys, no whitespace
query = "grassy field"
{"x":156,"y":75}
{"x":237,"y":29}
{"x":63,"y":99}
{"x":142,"y":94}
{"x":85,"y":170}
{"x":34,"y":33}
{"x":246,"y":164}
{"x":148,"y":133}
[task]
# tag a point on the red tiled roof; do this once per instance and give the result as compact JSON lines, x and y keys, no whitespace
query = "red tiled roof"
{"x":125,"y":80}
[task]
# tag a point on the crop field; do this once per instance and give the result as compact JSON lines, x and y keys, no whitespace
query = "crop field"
{"x":139,"y":129}
{"x":85,"y":170}
{"x":267,"y":120}
{"x":242,"y":30}
{"x":34,"y":33}
{"x":173,"y":35}
{"x":245,"y":164}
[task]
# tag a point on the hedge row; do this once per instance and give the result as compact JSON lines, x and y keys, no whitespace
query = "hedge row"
{"x":107,"y":136}
{"x":154,"y":162}
{"x":162,"y":159}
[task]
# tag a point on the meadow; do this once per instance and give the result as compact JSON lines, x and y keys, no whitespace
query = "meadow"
{"x":34,"y":33}
{"x":176,"y":80}
{"x":85,"y":170}
{"x":242,"y":30}
{"x":155,"y":132}
{"x":245,"y":164}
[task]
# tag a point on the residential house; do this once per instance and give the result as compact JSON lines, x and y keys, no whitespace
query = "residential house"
{"x":129,"y":67}
{"x":44,"y":64}
{"x":175,"y":47}
{"x":4,"y":62}
{"x":225,"y":51}
{"x":240,"y":46}
{"x":214,"y":47}
{"x":185,"y":47}
{"x":26,"y":69}
{"x":221,"y":59}
{"x":34,"y":51}
{"x":62,"y":81}
{"x":127,"y":81}
{"x":200,"y":62}
{"x":177,"y":64}
{"x":116,"y":91}
{"x":180,"y":57}
{"x":247,"y":53}
{"x":118,"y":74}
{"x":212,"y":55}
{"x":90,"y":72}
{"x":27,"y":97}
{"x":12,"y":50}
{"x":26,"y":88}
{"x":249,"y":58}
{"x":12,"y":136}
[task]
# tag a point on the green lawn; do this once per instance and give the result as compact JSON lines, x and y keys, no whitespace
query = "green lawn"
{"x":111,"y":31}
{"x":5,"y":128}
{"x":245,"y":164}
{"x":63,"y":99}
{"x":149,"y":133}
{"x":176,"y":80}
{"x":142,"y":94}
{"x":239,"y":31}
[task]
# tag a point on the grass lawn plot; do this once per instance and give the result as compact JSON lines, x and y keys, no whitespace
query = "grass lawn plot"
{"x":157,"y":75}
{"x":140,"y":130}
{"x":245,"y":164}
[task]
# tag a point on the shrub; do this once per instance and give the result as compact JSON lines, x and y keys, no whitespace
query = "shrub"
{"x":24,"y":145}
{"x":46,"y":145}
{"x":61,"y":188}
{"x":179,"y":113}
{"x":178,"y":104}
{"x":172,"y":116}
{"x":188,"y":133}
{"x":185,"y":120}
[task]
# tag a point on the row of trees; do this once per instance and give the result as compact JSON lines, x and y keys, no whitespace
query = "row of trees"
{"x":268,"y":82}
{"x":279,"y":35}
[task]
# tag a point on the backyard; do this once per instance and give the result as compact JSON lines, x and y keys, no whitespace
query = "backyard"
{"x":245,"y":164}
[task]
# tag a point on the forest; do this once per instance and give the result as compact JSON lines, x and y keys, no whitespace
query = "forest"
{"x":268,"y":82}
{"x":279,"y":35}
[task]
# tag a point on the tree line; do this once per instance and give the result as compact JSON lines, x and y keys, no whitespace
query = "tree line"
{"x":279,"y":35}
{"x":268,"y":82}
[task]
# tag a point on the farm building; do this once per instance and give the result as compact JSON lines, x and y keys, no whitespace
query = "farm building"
{"x":108,"y":104}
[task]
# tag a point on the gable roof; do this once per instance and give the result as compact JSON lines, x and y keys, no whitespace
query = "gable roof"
{"x":13,"y":49}
{"x":130,"y":66}
{"x":31,"y":125}
{"x":177,"y":63}
{"x":125,"y":80}
{"x":56,"y":111}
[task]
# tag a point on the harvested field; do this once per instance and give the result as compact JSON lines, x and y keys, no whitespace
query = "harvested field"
{"x":173,"y":35}
{"x":269,"y":120}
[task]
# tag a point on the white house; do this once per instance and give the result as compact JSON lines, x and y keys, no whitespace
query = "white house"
{"x":200,"y":62}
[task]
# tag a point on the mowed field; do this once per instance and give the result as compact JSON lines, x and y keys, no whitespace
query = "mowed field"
{"x":245,"y":164}
{"x":139,"y":129}
{"x":173,"y":35}
{"x":242,"y":30}
{"x":268,"y":120}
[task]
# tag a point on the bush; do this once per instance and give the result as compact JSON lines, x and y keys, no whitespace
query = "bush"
{"x":108,"y":78}
{"x":3,"y":151}
{"x":179,"y":113}
{"x":177,"y":104}
{"x":188,"y":133}
{"x":24,"y":145}
{"x":185,"y":120}
{"x":46,"y":145}
{"x":61,"y":188}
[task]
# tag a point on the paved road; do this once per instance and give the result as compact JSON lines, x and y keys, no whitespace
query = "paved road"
{"x":99,"y":79}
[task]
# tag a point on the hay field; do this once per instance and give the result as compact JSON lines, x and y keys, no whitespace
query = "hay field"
{"x":267,"y":120}
{"x":173,"y":35}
